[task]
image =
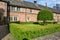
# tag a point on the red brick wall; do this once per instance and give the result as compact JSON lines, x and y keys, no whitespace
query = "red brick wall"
{"x":24,"y":14}
{"x":4,"y":6}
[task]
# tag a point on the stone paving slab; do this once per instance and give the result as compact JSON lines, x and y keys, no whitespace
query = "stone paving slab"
{"x":8,"y":37}
{"x":54,"y":36}
{"x":3,"y":31}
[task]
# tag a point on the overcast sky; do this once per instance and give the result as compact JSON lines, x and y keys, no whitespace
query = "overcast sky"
{"x":50,"y":3}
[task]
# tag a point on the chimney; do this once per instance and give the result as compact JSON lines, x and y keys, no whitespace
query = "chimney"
{"x":46,"y":4}
{"x":35,"y":1}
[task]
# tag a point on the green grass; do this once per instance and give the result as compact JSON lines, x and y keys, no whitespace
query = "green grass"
{"x":30,"y":31}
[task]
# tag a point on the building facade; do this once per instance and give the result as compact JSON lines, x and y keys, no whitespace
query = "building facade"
{"x":57,"y":6}
{"x":26,"y":11}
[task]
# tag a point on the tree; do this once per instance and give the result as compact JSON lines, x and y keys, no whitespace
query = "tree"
{"x":45,"y":15}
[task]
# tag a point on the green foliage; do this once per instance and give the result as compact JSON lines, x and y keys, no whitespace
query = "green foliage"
{"x":45,"y":15}
{"x":30,"y":31}
{"x":18,"y":22}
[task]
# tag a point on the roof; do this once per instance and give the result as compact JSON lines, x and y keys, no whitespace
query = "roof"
{"x":31,"y":5}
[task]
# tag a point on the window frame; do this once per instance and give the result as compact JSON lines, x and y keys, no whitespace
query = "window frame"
{"x":13,"y":8}
{"x":30,"y":10}
{"x":11,"y":18}
{"x":15,"y":18}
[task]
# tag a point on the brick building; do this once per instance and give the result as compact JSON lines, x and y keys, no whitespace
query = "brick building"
{"x":24,"y":11}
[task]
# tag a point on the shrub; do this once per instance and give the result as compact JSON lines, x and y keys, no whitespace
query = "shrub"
{"x":18,"y":22}
{"x":54,"y":22}
{"x":30,"y":31}
{"x":26,"y":22}
{"x":35,"y":22}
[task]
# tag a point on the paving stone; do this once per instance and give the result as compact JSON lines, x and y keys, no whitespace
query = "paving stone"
{"x":8,"y":37}
{"x":54,"y":36}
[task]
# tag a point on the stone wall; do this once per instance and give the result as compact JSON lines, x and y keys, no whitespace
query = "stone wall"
{"x":3,"y":31}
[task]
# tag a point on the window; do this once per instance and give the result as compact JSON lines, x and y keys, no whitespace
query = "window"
{"x":18,"y":9}
{"x":11,"y":18}
{"x":15,"y":18}
{"x":30,"y":10}
{"x":57,"y":18}
{"x":15,"y":8}
{"x":28,"y":19}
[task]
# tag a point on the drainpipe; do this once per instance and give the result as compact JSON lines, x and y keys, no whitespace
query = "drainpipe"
{"x":8,"y":13}
{"x":25,"y":15}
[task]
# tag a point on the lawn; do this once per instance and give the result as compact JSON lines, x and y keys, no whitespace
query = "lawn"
{"x":30,"y":31}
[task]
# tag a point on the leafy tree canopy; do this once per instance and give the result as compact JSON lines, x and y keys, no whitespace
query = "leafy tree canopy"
{"x":45,"y":15}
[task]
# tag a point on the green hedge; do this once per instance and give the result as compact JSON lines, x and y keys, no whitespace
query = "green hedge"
{"x":22,"y":22}
{"x":34,"y":22}
{"x":30,"y":31}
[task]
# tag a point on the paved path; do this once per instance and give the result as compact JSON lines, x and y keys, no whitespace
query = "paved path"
{"x":3,"y":30}
{"x":8,"y":37}
{"x":54,"y":36}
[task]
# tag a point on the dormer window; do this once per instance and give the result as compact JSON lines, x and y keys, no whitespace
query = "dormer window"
{"x":15,"y":8}
{"x":12,"y":8}
{"x":18,"y":8}
{"x":30,"y":10}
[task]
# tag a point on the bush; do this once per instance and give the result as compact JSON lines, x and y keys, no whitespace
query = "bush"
{"x":35,"y":22}
{"x":54,"y":22}
{"x":51,"y":22}
{"x":30,"y":31}
{"x":18,"y":22}
{"x":26,"y":22}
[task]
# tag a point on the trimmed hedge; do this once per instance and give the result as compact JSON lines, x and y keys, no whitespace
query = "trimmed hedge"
{"x":30,"y":31}
{"x":18,"y":22}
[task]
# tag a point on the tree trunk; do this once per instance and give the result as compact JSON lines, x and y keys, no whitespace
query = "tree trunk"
{"x":43,"y":22}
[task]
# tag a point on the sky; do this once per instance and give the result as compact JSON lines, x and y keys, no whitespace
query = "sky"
{"x":50,"y":3}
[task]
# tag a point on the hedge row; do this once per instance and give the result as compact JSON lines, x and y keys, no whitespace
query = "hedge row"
{"x":23,"y":32}
{"x":33,"y":22}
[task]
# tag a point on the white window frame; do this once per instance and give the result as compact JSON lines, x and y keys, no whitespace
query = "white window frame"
{"x":18,"y":8}
{"x":15,"y":8}
{"x":30,"y":10}
{"x":28,"y":19}
{"x":15,"y":18}
{"x":11,"y":18}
